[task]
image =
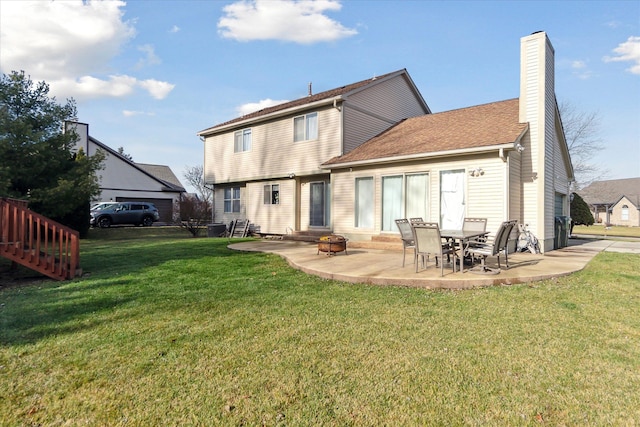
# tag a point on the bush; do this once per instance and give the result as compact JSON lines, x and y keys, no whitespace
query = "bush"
{"x":580,"y":212}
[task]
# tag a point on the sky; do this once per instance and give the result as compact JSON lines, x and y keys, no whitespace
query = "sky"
{"x":148,"y":75}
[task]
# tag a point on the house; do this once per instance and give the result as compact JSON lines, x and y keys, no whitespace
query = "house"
{"x":352,"y":160}
{"x":122,"y":180}
{"x":614,"y":202}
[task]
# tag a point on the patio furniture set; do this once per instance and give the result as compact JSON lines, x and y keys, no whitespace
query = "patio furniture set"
{"x":472,"y":243}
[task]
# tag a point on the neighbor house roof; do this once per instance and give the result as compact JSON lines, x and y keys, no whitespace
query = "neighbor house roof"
{"x":611,"y":191}
{"x":328,"y":95}
{"x":472,"y":128}
{"x":163,"y":173}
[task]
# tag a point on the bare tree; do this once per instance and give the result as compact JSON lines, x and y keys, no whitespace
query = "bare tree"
{"x":192,"y":214}
{"x":195,"y":176}
{"x":582,"y":131}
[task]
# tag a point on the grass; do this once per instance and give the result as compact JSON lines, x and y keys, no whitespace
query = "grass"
{"x":600,"y":230}
{"x":169,"y":330}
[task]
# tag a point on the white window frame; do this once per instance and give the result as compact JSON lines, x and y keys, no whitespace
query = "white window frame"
{"x":364,"y":203}
{"x":242,"y":140}
{"x":271,"y":194}
{"x":624,"y":213}
{"x":310,"y":122}
{"x":231,"y":200}
{"x":389,"y":215}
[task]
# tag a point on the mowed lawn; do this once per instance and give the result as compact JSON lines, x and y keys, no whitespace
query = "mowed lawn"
{"x":166,"y":330}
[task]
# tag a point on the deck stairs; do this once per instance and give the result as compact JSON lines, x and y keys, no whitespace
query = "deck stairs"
{"x":38,"y":243}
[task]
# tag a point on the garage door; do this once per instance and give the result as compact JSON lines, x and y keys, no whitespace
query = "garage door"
{"x":165,"y":206}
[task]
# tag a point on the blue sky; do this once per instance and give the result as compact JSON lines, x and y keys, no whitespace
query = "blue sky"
{"x":148,"y":75}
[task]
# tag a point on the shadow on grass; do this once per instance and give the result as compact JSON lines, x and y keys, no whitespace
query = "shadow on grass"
{"x":57,"y":311}
{"x":116,"y":273}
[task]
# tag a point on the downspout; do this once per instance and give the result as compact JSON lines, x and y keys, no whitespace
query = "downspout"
{"x":505,"y":178}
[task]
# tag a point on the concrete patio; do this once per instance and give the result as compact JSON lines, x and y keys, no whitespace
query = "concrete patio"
{"x":384,"y":266}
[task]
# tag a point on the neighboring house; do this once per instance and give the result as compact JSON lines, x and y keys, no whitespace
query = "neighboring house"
{"x":354,"y":159}
{"x":614,"y":202}
{"x":122,"y":180}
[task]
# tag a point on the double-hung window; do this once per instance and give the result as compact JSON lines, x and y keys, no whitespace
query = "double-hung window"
{"x":232,"y":199}
{"x":305,"y":127}
{"x":272,"y":194}
{"x":242,"y":141}
{"x":624,"y":214}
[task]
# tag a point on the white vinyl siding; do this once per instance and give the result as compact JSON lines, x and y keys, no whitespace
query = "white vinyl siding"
{"x":271,"y":218}
{"x":379,"y":107}
{"x":485,"y":195}
{"x":273,"y":153}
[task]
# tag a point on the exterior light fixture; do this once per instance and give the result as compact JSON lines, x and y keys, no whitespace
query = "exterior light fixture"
{"x":476,"y":172}
{"x":292,"y":175}
{"x":519,"y":147}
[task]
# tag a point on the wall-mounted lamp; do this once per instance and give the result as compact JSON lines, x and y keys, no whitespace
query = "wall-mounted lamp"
{"x":292,"y":175}
{"x":476,"y":172}
{"x":519,"y":147}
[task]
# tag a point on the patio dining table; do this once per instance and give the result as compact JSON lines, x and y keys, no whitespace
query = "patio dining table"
{"x":463,"y":237}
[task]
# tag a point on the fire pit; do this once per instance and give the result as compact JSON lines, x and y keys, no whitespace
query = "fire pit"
{"x":332,"y":244}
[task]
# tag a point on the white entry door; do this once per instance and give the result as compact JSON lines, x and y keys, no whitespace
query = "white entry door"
{"x":452,"y":199}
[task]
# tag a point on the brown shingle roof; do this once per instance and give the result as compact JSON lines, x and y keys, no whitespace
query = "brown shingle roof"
{"x":467,"y":128}
{"x":306,"y":100}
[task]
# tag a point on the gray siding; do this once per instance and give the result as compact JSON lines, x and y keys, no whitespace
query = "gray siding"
{"x":369,"y":112}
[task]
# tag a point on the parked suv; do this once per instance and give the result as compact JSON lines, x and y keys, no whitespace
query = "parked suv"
{"x":136,"y":213}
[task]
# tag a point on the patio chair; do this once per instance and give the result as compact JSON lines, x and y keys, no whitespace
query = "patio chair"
{"x":493,"y":248}
{"x":416,"y":219}
{"x":406,"y":234}
{"x":475,"y":224}
{"x":428,"y":242}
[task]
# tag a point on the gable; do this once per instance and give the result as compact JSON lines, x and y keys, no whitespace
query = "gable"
{"x":467,"y":129}
{"x":314,"y":101}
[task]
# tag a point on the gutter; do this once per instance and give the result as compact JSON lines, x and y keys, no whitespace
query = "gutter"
{"x":419,"y":156}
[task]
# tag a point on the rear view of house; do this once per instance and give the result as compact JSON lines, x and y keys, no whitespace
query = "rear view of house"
{"x":354,"y":159}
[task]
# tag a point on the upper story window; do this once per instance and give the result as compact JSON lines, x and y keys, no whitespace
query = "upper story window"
{"x":305,"y":127}
{"x":242,"y":141}
{"x":272,"y":194}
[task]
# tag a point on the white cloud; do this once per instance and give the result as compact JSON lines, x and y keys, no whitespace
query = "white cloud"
{"x":69,"y":44}
{"x":150,"y":57}
{"x":301,"y":21}
{"x":174,"y":29}
{"x":86,"y":87}
{"x":628,"y":51}
{"x":156,"y":88}
{"x":577,"y":64}
{"x":132,"y":113}
{"x":257,"y":106}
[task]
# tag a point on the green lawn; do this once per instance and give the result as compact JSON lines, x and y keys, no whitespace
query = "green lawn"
{"x":600,"y":230}
{"x":169,"y":330}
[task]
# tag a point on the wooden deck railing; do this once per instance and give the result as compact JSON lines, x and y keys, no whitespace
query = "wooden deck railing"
{"x":36,"y":242}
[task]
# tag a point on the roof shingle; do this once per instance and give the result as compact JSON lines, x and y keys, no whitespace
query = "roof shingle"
{"x":466,"y":128}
